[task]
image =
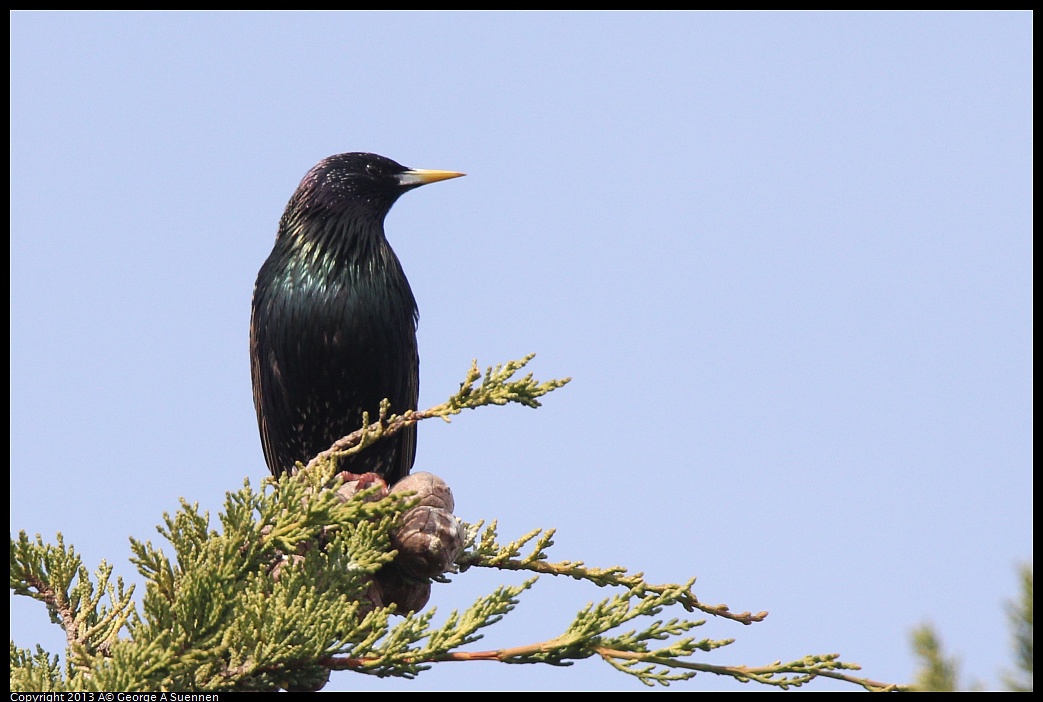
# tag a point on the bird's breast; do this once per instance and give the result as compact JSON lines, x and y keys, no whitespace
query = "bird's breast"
{"x":347,"y":319}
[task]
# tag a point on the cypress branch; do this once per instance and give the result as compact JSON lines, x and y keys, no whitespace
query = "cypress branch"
{"x":283,"y":592}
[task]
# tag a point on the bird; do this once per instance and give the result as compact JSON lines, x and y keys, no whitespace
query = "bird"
{"x":333,"y":319}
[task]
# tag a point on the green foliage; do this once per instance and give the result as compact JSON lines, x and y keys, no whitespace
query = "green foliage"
{"x":278,"y":596}
{"x":233,"y":610}
{"x":940,"y":673}
{"x":498,"y":387}
{"x":1019,"y":614}
{"x":937,"y":671}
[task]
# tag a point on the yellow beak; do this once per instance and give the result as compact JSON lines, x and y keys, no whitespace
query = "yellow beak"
{"x":420,"y":176}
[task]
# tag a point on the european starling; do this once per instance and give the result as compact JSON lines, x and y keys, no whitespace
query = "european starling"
{"x":333,"y":326}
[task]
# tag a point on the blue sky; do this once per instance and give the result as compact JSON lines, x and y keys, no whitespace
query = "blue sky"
{"x":785,"y":257}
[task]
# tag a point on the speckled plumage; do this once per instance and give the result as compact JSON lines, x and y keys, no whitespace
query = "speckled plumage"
{"x":333,"y":326}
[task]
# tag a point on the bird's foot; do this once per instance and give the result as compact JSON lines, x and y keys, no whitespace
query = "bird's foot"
{"x":356,"y":482}
{"x":363,"y":480}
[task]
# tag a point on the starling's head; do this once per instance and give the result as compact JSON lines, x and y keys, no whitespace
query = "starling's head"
{"x":369,"y":181}
{"x":339,"y":208}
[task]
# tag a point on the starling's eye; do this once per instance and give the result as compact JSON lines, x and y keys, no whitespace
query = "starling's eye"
{"x":373,"y":169}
